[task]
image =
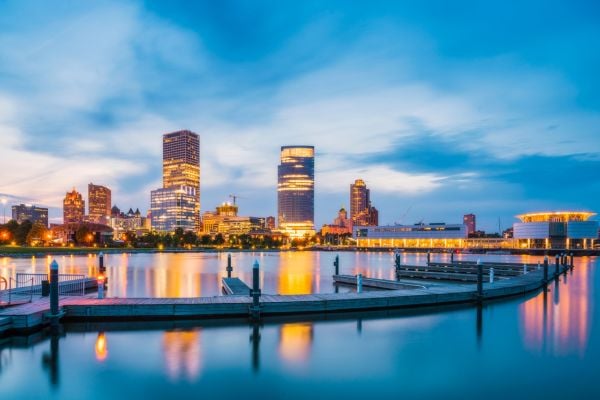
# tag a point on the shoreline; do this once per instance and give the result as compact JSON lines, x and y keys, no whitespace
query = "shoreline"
{"x":27,"y":252}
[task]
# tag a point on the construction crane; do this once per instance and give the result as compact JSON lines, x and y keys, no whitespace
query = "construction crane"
{"x":234,"y":197}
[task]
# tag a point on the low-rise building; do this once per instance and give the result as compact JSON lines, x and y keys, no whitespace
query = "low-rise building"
{"x":556,"y":230}
{"x":434,"y":235}
{"x":226,"y":221}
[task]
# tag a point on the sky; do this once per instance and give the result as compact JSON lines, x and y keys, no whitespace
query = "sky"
{"x":443,"y":108}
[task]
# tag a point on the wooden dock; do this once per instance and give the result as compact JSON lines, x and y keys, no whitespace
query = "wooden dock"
{"x":235,"y":287}
{"x":35,"y":314}
{"x":385,"y":284}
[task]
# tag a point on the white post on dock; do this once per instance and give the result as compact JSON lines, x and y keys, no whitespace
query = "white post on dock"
{"x":359,"y":282}
{"x":524,"y":269}
{"x":491,"y":274}
{"x":538,"y":268}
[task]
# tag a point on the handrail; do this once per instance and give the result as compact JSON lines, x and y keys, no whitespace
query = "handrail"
{"x":3,"y":279}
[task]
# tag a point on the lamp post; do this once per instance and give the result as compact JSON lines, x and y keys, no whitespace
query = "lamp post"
{"x":3,"y":210}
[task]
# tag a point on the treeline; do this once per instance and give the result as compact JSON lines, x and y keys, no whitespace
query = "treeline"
{"x":25,"y":233}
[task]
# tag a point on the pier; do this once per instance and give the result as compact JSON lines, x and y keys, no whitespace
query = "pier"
{"x":392,"y":294}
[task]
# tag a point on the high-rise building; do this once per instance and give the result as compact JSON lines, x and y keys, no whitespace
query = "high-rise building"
{"x":24,"y":212}
{"x":181,"y":165}
{"x":469,"y":221}
{"x":173,"y":208}
{"x":99,"y":204}
{"x":362,"y":212}
{"x":296,"y":191}
{"x":73,"y":207}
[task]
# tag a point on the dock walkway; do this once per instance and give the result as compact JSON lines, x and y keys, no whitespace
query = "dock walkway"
{"x":34,"y":315}
{"x":235,"y":287}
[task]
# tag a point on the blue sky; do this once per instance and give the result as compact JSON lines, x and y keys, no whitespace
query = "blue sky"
{"x":443,"y":108}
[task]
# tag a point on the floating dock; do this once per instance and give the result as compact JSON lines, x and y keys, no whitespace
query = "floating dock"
{"x":235,"y":287}
{"x":35,"y":314}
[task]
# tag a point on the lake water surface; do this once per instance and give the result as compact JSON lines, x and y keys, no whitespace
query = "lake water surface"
{"x":542,"y":346}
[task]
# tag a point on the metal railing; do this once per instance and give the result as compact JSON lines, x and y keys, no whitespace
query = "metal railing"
{"x":68,"y":284}
{"x":20,"y":292}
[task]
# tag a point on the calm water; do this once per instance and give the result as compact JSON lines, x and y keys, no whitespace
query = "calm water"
{"x":544,"y":346}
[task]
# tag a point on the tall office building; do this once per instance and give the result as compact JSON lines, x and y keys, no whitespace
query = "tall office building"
{"x":99,"y":204}
{"x":34,"y":214}
{"x":469,"y":221}
{"x":181,"y":166}
{"x":362,"y":212}
{"x":73,"y":207}
{"x":173,"y":208}
{"x":296,"y":191}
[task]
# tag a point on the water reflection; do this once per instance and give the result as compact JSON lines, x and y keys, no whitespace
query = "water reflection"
{"x":255,"y":340}
{"x":560,"y":323}
{"x":50,"y":360}
{"x":295,"y":273}
{"x":295,"y":342}
{"x":183,"y":357}
{"x":101,"y":347}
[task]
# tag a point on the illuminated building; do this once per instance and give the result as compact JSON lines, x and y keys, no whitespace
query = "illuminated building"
{"x":469,"y":221}
{"x":73,"y":208}
{"x":181,"y":165}
{"x":341,"y":225}
{"x":296,"y":191}
{"x":225,"y":220}
{"x":173,"y":208}
{"x":559,"y":229}
{"x":130,"y":222}
{"x":418,"y":235}
{"x":270,"y":223}
{"x":99,"y":200}
{"x":361,"y":210}
{"x":25,"y":212}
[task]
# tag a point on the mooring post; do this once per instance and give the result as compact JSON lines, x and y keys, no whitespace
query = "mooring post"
{"x":452,"y":257}
{"x":571,"y":261}
{"x":428,"y":257}
{"x":229,"y":268}
{"x":255,"y":292}
{"x":538,"y":267}
{"x":524,"y":269}
{"x":359,"y":282}
{"x":336,"y":264}
{"x":54,"y":290}
{"x":545,"y":270}
{"x":491,"y":274}
{"x":556,"y":267}
{"x":101,"y":267}
{"x":101,"y":286}
{"x":397,"y":261}
{"x":479,"y":280}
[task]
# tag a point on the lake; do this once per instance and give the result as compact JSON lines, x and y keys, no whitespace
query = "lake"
{"x":543,"y":346}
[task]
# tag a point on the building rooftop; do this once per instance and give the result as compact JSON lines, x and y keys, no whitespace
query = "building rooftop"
{"x":556,"y":216}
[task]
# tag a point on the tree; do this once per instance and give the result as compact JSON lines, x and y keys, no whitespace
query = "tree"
{"x":22,"y":232}
{"x":37,"y":233}
{"x":84,"y":235}
{"x":219,"y":240}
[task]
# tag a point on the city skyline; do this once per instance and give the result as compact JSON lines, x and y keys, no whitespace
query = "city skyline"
{"x":437,"y":121}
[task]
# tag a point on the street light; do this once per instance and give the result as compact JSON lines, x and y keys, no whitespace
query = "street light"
{"x":4,"y":201}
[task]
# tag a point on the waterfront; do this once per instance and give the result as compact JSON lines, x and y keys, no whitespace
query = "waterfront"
{"x":199,"y":274}
{"x":540,"y":346}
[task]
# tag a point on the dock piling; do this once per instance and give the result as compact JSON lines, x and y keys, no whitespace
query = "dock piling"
{"x":101,"y":267}
{"x":479,"y":280}
{"x":452,"y":257}
{"x":556,"y":268}
{"x":545,"y":270}
{"x":571,"y":260}
{"x":428,"y":257}
{"x":524,"y":269}
{"x":359,"y":283}
{"x":54,"y":291}
{"x":255,"y":293}
{"x":336,"y":264}
{"x":492,"y":275}
{"x":229,"y":268}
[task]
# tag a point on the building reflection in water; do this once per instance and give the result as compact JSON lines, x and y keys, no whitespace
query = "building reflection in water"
{"x":295,"y":342}
{"x":101,"y":347}
{"x":296,"y":275}
{"x":559,"y":322}
{"x":183,"y":356}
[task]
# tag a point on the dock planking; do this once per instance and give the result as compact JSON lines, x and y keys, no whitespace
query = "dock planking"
{"x":235,"y":287}
{"x":128,"y":309}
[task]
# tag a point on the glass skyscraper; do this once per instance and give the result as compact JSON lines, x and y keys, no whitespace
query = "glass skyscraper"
{"x":177,"y":203}
{"x":296,"y":190}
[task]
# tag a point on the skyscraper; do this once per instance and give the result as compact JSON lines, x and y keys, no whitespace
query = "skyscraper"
{"x":173,"y":208}
{"x":73,"y":207}
{"x":99,"y":204}
{"x":181,"y":166}
{"x":296,"y":190}
{"x":469,"y":221}
{"x":34,"y":214}
{"x":362,"y":212}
